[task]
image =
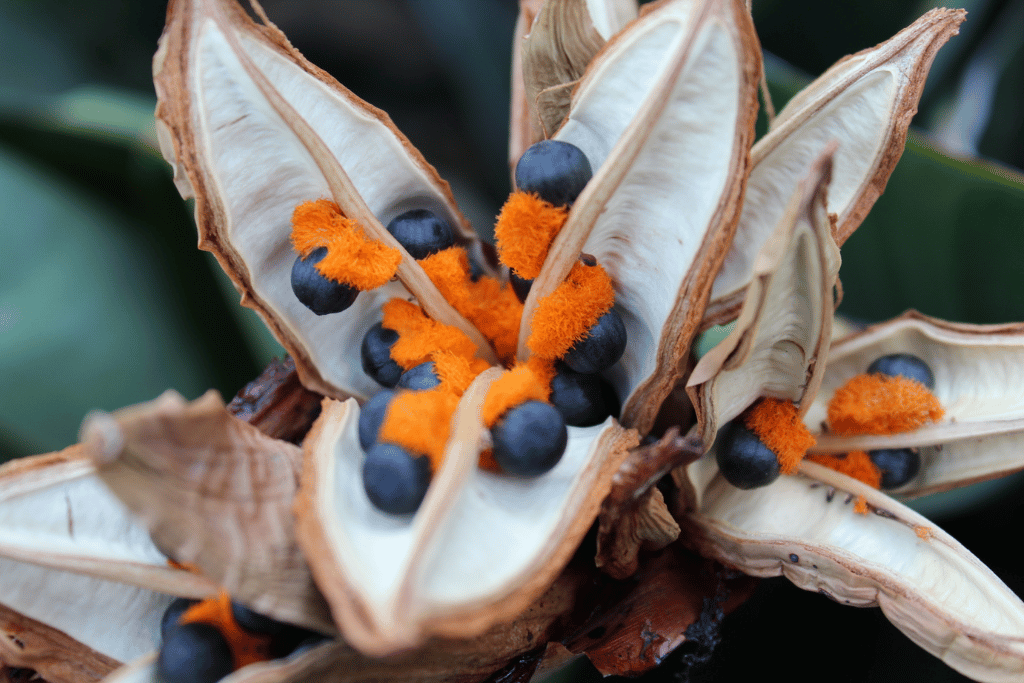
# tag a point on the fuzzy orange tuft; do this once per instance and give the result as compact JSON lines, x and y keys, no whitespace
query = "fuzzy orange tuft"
{"x":420,"y":336}
{"x":523,"y":233}
{"x":457,"y":372}
{"x":878,"y":404}
{"x":565,"y":316}
{"x":855,"y":464}
{"x":420,"y":422}
{"x":492,"y":309}
{"x":860,"y":506}
{"x":246,"y":648}
{"x":352,"y":258}
{"x":779,"y":427}
{"x":923,"y":532}
{"x":530,"y":381}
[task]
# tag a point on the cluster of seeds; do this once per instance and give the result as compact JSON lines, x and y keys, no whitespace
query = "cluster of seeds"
{"x":424,"y":366}
{"x":203,"y":641}
{"x":892,"y":397}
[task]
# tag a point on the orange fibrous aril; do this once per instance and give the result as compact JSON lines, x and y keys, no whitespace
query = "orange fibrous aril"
{"x":420,"y":336}
{"x":778,"y":425}
{"x":566,"y":315}
{"x":530,"y":381}
{"x":877,"y":404}
{"x":492,"y":307}
{"x":352,"y":258}
{"x":523,"y":233}
{"x":856,"y":464}
{"x":457,"y":372}
{"x":420,"y":421}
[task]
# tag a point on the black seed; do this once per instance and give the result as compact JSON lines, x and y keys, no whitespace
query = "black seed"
{"x":793,"y":557}
{"x":520,"y":286}
{"x":419,"y":378}
{"x":530,"y":439}
{"x":555,"y":170}
{"x":905,"y":364}
{"x":376,"y":355}
{"x":371,"y":417}
{"x":257,"y":623}
{"x":171,"y":615}
{"x":744,"y":460}
{"x":317,"y":293}
{"x":194,"y":653}
{"x":583,"y":400}
{"x":310,"y":641}
{"x":421,"y":232}
{"x":898,"y":465}
{"x":601,"y":348}
{"x":394,"y":480}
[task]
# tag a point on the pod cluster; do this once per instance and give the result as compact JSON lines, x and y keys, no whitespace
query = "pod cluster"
{"x":747,"y":462}
{"x":531,"y":407}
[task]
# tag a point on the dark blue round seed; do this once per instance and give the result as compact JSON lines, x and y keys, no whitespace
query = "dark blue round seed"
{"x":744,"y":460}
{"x":420,"y":377}
{"x":555,"y":170}
{"x":601,"y":348}
{"x":194,"y":653}
{"x":521,"y":286}
{"x":898,"y":465}
{"x":906,"y":365}
{"x":376,"y":355}
{"x":395,"y":481}
{"x":371,"y":417}
{"x":171,"y":615}
{"x":317,"y":293}
{"x":583,"y":400}
{"x":422,"y":232}
{"x":530,"y":439}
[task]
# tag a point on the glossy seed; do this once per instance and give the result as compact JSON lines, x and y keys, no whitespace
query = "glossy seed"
{"x":520,"y":286}
{"x":422,"y":232}
{"x":371,"y":417}
{"x":317,"y":293}
{"x":744,"y":460}
{"x":376,"y":355}
{"x":194,"y":653}
{"x":898,"y":465}
{"x":394,"y":480}
{"x":601,"y":348}
{"x":583,"y":400}
{"x":171,"y":615}
{"x":905,"y":364}
{"x":419,"y":378}
{"x":555,"y":170}
{"x":530,"y":439}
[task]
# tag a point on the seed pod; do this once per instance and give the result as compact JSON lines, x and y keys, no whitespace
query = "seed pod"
{"x":977,"y":371}
{"x":865,"y":103}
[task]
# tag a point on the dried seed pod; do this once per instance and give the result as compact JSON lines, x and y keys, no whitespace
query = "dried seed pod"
{"x":806,"y":528}
{"x":224,"y":82}
{"x":215,"y":493}
{"x":450,"y":569}
{"x":780,"y":343}
{"x":71,"y":556}
{"x":679,"y":83}
{"x":978,"y":372}
{"x":865,"y":103}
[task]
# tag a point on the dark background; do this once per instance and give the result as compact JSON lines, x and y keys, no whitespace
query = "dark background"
{"x":92,"y":227}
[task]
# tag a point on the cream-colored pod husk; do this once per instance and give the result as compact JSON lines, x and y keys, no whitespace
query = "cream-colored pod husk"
{"x":480,"y":549}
